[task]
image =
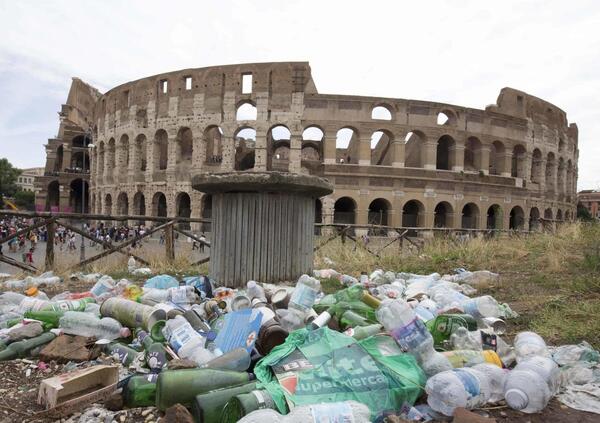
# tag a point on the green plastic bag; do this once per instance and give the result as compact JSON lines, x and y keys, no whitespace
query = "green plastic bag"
{"x":327,"y":366}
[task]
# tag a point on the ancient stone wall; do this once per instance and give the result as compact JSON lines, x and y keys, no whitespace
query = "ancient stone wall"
{"x":393,"y":162}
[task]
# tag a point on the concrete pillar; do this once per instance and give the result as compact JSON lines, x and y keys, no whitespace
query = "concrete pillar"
{"x":260,"y":151}
{"x":398,"y":153}
{"x":505,"y":164}
{"x":364,"y":151}
{"x":150,"y":160}
{"x":327,"y":210}
{"x":457,"y":158}
{"x":199,"y":150}
{"x":228,"y":148}
{"x":329,"y":147}
{"x":485,"y":159}
{"x":527,"y":166}
{"x":171,"y":160}
{"x":67,"y":155}
{"x":430,"y":157}
{"x":294,"y":165}
{"x":362,"y":210}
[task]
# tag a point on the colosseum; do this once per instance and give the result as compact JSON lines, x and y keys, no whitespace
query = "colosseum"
{"x":394,"y":162}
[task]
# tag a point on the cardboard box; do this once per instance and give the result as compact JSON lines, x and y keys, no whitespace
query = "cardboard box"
{"x":67,"y":393}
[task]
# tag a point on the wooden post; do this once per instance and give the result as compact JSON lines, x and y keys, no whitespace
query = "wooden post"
{"x":51,"y":230}
{"x":170,"y":243}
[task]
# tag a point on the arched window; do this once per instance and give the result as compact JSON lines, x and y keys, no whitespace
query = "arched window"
{"x":140,"y":153}
{"x":53,"y":197}
{"x":183,"y":207}
{"x":413,"y":214}
{"x":494,"y":217}
{"x":380,"y":148}
{"x":497,"y":157}
{"x":245,"y":140}
{"x":381,"y":113}
{"x":517,"y":218}
{"x":159,"y":205}
{"x":442,"y":215}
{"x":213,"y":141}
{"x":472,"y":159}
{"x":161,"y":150}
{"x":122,"y":204}
{"x":246,"y":111}
{"x":344,"y":211}
{"x":534,"y":219}
{"x":414,"y":152}
{"x":185,"y":146}
{"x":446,"y":117}
{"x":445,"y":148}
{"x":536,"y":166}
{"x":470,"y":216}
{"x":519,"y":164}
{"x":346,"y":145}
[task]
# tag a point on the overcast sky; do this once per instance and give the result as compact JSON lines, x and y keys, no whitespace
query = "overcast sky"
{"x":460,"y":52}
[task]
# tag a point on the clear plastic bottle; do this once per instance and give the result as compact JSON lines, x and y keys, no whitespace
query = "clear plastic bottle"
{"x":254,"y":290}
{"x":183,"y":295}
{"x":480,"y":307}
{"x":11,"y":298}
{"x":529,"y":344}
{"x":496,"y":377}
{"x":467,"y":388}
{"x":131,"y":264}
{"x":348,"y":411}
{"x":410,"y":333}
{"x":305,"y":294}
{"x":87,"y":324}
{"x":531,"y":384}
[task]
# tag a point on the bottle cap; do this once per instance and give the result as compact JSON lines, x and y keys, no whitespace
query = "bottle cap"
{"x":31,"y":291}
{"x":516,"y":399}
{"x":125,"y":332}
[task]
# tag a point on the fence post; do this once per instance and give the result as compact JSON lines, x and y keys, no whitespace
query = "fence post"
{"x":170,"y":243}
{"x":50,"y":231}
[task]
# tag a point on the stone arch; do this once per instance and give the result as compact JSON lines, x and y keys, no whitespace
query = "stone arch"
{"x":447,"y":117}
{"x":53,"y":197}
{"x":444,"y":156}
{"x":107,"y":204}
{"x":568,"y":216}
{"x":213,"y":140}
{"x":80,"y":160}
{"x":497,"y":153}
{"x":414,"y":149}
{"x":100,"y":164}
{"x":183,"y":208}
{"x":123,"y":156}
{"x":561,"y":175}
{"x":519,"y":165}
{"x":344,"y":211}
{"x":379,"y":212}
{"x":442,"y":215}
{"x":559,"y":215}
{"x":470,"y":216}
{"x":534,"y":219}
{"x":381,"y":112}
{"x":494,"y":217}
{"x":550,"y":172}
{"x":122,"y":204}
{"x":159,"y":205}
{"x":139,"y":204}
{"x":537,"y":170}
{"x":312,"y":143}
{"x":318,"y":211}
{"x":245,"y":142}
{"x":185,"y":146}
{"x":161,"y":150}
{"x":413,"y":214}
{"x":81,"y":141}
{"x":79,"y":194}
{"x":141,"y":153}
{"x":246,"y":110}
{"x":381,"y":144}
{"x":472,"y":155}
{"x":110,"y":157}
{"x":516,"y":218}
{"x":548,"y":214}
{"x":279,"y":139}
{"x":206,"y":213}
{"x":347,"y":145}
{"x":58,"y":162}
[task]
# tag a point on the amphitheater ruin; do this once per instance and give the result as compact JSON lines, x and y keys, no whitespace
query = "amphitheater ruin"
{"x":393,"y":162}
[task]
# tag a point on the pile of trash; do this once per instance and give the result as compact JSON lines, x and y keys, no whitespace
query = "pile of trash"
{"x":418,"y":347}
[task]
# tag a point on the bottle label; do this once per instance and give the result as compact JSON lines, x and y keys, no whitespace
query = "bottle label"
{"x":304,"y":296}
{"x":181,"y":336}
{"x":339,"y":412}
{"x":469,"y":381}
{"x":178,"y":295}
{"x":412,"y":335}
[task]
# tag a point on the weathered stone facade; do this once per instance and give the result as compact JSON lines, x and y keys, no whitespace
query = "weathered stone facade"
{"x":394,"y":162}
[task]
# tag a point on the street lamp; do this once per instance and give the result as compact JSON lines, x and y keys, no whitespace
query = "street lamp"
{"x":86,"y":136}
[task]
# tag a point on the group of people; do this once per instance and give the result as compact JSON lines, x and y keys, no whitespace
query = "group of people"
{"x":26,"y":242}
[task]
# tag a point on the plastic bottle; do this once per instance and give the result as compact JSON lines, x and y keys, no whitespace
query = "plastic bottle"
{"x":444,"y":325}
{"x":410,"y":333}
{"x":182,"y":386}
{"x":531,"y":384}
{"x":496,"y":377}
{"x":254,"y":290}
{"x":529,"y":344}
{"x":186,"y":341}
{"x":465,"y":388}
{"x":131,"y":264}
{"x":305,"y":294}
{"x":51,"y":318}
{"x":183,"y":295}
{"x":469,"y":358}
{"x":237,"y":359}
{"x":480,"y":307}
{"x":86,"y":324}
{"x":32,"y":304}
{"x":348,"y":411}
{"x":11,"y":298}
{"x":69,"y":305}
{"x":103,"y":288}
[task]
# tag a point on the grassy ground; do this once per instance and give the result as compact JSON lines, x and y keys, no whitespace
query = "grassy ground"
{"x":551,"y":280}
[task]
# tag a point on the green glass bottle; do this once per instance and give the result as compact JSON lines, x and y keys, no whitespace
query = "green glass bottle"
{"x":445,"y":324}
{"x":182,"y":386}
{"x":352,"y":319}
{"x":209,"y":406}
{"x":69,"y":305}
{"x":140,"y":391}
{"x":124,"y":353}
{"x":362,"y":332}
{"x":244,"y":404}
{"x":154,"y":352}
{"x":21,"y":349}
{"x":50,"y":318}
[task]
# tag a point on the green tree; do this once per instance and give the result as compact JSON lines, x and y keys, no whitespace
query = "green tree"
{"x":25,"y":200}
{"x":583,"y":213}
{"x":8,"y":179}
